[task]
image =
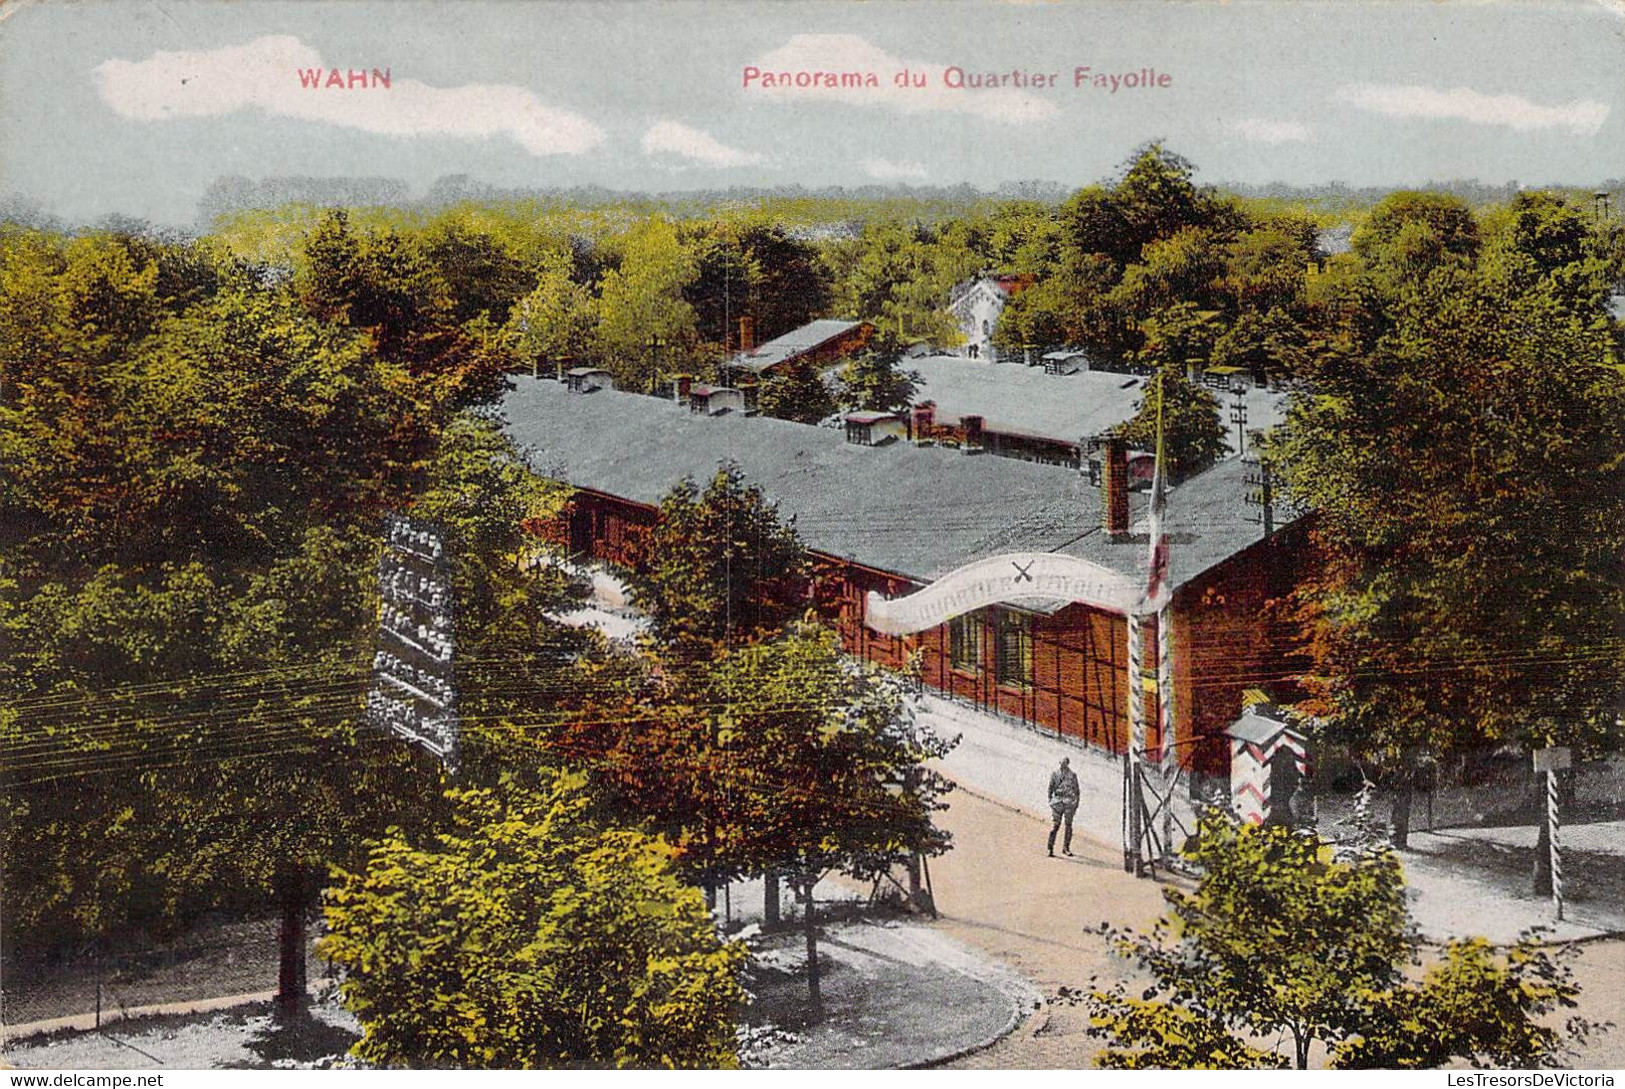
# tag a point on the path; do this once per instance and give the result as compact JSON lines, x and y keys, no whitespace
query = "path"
{"x":1458,"y":886}
{"x":999,"y":892}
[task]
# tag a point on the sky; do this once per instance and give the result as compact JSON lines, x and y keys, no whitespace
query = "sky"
{"x":136,"y":106}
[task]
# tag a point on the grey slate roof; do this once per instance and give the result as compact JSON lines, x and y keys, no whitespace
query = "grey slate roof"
{"x":912,"y":511}
{"x":791,"y":344}
{"x":1016,"y":399}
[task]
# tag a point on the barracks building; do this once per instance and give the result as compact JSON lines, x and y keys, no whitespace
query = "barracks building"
{"x":893,"y":517}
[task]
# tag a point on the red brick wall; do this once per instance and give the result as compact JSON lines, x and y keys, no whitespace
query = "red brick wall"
{"x":1228,"y":637}
{"x":848,"y":343}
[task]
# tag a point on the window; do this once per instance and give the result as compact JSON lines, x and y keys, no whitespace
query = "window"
{"x":965,"y":643}
{"x":1014,"y":663}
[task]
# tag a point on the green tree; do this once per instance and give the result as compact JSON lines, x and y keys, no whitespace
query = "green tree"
{"x":529,"y":936}
{"x":1155,"y":199}
{"x":386,"y":284}
{"x":515,"y":661}
{"x":783,"y":757}
{"x":875,"y":381}
{"x":753,"y":270}
{"x":553,"y":323}
{"x":1409,"y":234}
{"x":483,"y":275}
{"x":899,"y":277}
{"x":187,"y":588}
{"x":642,"y":301}
{"x":1489,"y":1006}
{"x":718,"y":568}
{"x":1468,"y":479}
{"x":1193,"y":435}
{"x":798,"y":394}
{"x":825,"y":770}
{"x":1283,"y":936}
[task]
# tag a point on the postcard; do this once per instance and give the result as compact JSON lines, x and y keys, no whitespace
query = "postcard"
{"x":810,"y":535}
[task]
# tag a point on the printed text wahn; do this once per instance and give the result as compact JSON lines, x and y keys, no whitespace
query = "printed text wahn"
{"x":956,"y":79}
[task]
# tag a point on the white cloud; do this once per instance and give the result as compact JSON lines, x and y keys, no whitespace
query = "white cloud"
{"x":675,"y":138}
{"x":886,"y":170}
{"x":265,"y":74}
{"x":1583,"y":117}
{"x":845,"y":54}
{"x":1265,"y":131}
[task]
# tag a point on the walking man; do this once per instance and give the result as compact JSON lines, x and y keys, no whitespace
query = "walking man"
{"x":1063,"y":804}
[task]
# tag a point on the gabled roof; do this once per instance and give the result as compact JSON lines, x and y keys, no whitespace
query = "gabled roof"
{"x":1017,"y":400}
{"x":1004,"y":285}
{"x":912,"y":511}
{"x":813,"y":335}
{"x":1260,"y":725}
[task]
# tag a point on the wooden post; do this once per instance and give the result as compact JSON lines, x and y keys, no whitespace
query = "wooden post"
{"x":290,"y":994}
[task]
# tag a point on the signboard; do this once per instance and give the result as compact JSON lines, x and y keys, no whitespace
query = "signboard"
{"x":1014,"y":578}
{"x":1554,"y":759}
{"x":414,"y":694}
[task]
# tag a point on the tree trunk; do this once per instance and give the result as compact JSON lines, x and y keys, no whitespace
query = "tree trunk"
{"x":1402,"y":810}
{"x":770,"y":899}
{"x":290,"y":894}
{"x":1300,"y":1047}
{"x":815,"y":995}
{"x":916,"y":895}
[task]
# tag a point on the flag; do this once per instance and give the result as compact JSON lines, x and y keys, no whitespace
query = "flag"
{"x":1156,"y":585}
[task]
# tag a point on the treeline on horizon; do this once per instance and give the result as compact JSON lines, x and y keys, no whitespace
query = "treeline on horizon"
{"x":299,"y":196}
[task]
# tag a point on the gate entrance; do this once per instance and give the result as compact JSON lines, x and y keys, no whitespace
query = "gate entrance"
{"x":1015,"y":587}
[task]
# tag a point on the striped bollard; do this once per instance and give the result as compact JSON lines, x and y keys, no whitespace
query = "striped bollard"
{"x":1133,"y":852}
{"x":1557,"y":855}
{"x":1551,"y":761}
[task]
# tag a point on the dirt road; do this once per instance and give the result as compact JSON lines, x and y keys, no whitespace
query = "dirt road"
{"x":999,"y":892}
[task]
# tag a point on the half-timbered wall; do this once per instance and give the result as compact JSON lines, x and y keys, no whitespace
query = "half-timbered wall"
{"x":1067,"y":673}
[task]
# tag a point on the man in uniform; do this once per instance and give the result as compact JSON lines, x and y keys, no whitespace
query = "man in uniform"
{"x":1063,"y":803}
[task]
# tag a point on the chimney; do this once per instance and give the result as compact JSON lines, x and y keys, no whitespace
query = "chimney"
{"x":680,"y":386}
{"x":925,"y":418}
{"x":747,"y":335}
{"x":972,"y":426}
{"x":1114,"y":486}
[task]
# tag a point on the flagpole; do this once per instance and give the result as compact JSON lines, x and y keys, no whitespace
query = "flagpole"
{"x":1165,"y":655}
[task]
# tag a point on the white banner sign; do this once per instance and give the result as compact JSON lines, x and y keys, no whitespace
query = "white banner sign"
{"x":1013,"y":578}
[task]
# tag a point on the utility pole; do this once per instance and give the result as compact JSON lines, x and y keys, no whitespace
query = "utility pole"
{"x":1238,"y":416}
{"x":655,"y":344}
{"x":1262,"y":496}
